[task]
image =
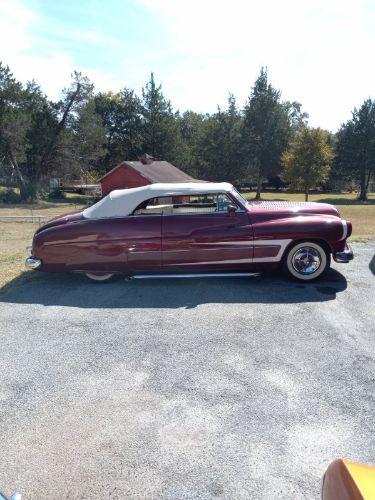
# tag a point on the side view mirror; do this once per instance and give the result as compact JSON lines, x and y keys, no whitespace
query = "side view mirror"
{"x":231,"y":210}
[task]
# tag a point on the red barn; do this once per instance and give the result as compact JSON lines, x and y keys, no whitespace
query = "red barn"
{"x":131,"y":174}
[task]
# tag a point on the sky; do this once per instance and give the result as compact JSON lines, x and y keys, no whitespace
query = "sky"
{"x":318,"y":52}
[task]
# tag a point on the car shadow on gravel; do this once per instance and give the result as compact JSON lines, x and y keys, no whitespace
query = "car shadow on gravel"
{"x":75,"y":290}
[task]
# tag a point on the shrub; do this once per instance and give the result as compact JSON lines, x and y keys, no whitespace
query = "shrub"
{"x":10,"y":196}
{"x":28,"y":193}
{"x":43,"y":194}
{"x":57,"y":194}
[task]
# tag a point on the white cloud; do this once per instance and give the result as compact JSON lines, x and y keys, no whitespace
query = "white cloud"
{"x":14,"y":21}
{"x":317,"y":52}
{"x":52,"y":68}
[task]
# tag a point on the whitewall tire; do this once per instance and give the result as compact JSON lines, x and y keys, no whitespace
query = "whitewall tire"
{"x":306,"y":261}
{"x":99,"y":277}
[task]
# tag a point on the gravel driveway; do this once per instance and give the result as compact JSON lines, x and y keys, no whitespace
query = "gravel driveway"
{"x":236,"y":388}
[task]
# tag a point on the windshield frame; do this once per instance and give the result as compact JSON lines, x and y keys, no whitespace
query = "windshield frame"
{"x":238,"y":196}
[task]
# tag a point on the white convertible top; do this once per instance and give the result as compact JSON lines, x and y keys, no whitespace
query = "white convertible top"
{"x":121,"y":202}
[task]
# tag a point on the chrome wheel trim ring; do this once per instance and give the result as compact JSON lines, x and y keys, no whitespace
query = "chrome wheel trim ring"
{"x":306,"y":260}
{"x":306,"y":277}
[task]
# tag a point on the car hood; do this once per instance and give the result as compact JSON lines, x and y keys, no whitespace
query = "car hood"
{"x":289,"y":208}
{"x":60,"y":220}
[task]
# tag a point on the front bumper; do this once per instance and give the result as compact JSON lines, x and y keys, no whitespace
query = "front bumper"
{"x":32,"y":263}
{"x":344,"y":256}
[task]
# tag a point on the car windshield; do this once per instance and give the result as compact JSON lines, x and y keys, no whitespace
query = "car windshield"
{"x":240,"y":198}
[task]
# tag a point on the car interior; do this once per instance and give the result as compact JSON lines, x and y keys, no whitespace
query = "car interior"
{"x":185,"y":204}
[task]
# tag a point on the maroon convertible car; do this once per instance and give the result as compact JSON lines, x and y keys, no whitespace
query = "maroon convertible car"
{"x":192,"y":229}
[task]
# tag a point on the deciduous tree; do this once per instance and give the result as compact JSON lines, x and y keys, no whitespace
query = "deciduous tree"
{"x":121,"y":115}
{"x":35,"y":132}
{"x":307,"y":160}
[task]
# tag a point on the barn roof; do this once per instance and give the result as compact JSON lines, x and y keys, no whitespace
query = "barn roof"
{"x":155,"y":171}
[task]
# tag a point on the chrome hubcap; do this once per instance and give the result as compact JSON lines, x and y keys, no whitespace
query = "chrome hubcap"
{"x":306,"y":260}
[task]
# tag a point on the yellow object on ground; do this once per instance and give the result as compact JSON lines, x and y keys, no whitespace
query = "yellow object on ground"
{"x":346,"y":480}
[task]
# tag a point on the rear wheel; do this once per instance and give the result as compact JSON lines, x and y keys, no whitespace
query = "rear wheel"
{"x":99,"y":277}
{"x":306,"y":261}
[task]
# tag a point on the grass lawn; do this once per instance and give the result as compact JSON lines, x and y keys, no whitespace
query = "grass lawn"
{"x":15,"y":236}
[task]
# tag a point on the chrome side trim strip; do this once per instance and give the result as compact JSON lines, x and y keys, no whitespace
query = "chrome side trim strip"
{"x":200,"y":263}
{"x":193,"y":275}
{"x":222,"y":213}
{"x":282,"y":243}
{"x":134,"y":252}
{"x":248,"y":243}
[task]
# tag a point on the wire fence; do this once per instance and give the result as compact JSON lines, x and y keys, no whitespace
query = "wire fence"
{"x":35,"y":219}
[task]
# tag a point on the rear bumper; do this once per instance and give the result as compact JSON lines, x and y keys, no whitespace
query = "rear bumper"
{"x":345,"y":256}
{"x":32,"y":263}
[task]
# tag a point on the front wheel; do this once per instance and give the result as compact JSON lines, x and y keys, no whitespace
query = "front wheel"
{"x":99,"y":277}
{"x":306,"y":261}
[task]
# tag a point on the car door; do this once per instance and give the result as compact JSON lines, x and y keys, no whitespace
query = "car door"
{"x":127,"y":244}
{"x":143,"y":243}
{"x":199,"y":237}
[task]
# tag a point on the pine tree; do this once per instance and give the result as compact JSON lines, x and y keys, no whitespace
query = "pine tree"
{"x":220,"y":145}
{"x":161,"y":135}
{"x":355,"y":158}
{"x":265,"y":132}
{"x":89,"y":137}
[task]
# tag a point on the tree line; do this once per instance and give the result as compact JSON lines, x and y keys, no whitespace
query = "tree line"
{"x":87,"y":131}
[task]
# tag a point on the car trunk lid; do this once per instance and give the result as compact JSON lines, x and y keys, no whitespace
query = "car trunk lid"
{"x":61,"y":219}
